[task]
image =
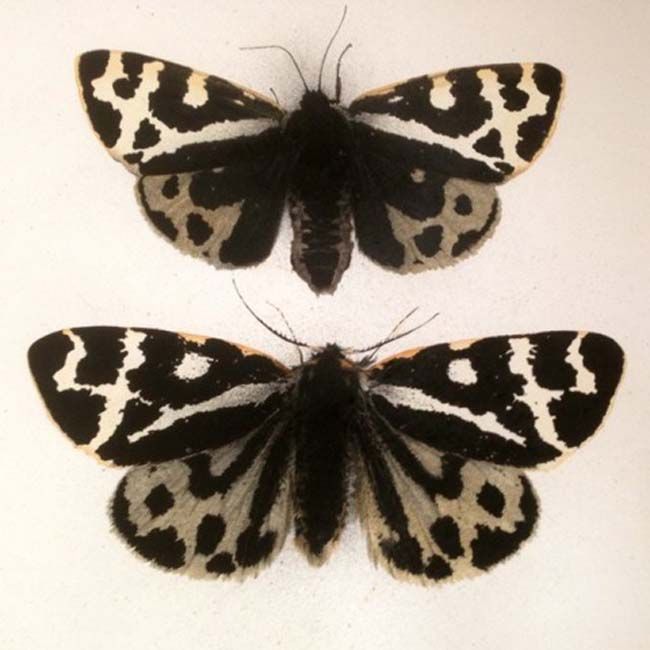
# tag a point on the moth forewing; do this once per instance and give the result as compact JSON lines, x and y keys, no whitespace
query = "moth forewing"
{"x":230,"y":445}
{"x":412,"y":165}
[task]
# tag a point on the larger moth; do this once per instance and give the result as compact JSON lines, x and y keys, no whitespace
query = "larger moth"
{"x":414,"y":166}
{"x":229,"y":449}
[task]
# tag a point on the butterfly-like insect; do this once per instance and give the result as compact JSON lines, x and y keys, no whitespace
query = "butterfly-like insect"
{"x":230,"y":447}
{"x":413,"y":165}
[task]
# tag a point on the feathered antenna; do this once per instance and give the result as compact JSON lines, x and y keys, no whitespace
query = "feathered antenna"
{"x":286,"y":322}
{"x":280,"y":335}
{"x":390,"y":338}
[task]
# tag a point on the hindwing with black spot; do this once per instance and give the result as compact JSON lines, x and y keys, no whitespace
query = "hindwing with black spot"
{"x":228,"y":216}
{"x":431,"y":516}
{"x":203,"y":420}
{"x":206,"y":151}
{"x":231,"y":447}
{"x":447,"y":431}
{"x":218,"y":513}
{"x":431,"y":150}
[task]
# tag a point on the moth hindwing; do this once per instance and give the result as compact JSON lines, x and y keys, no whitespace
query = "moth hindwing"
{"x":413,"y":166}
{"x":228,"y":448}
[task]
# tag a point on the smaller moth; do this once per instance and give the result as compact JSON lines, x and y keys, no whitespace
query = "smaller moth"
{"x":229,"y":449}
{"x":413,"y":166}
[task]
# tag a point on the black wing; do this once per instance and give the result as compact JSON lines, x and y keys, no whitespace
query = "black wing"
{"x":442,"y":494}
{"x":206,"y":150}
{"x":432,"y":150}
{"x":203,"y":419}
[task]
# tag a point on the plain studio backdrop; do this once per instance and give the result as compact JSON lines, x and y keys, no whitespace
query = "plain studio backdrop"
{"x":571,"y":252}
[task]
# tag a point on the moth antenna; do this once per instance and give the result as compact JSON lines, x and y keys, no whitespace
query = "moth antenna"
{"x":390,"y":339}
{"x":377,"y":347}
{"x":338,"y":72}
{"x":277,"y":101}
{"x":286,"y":322}
{"x":329,"y":45}
{"x":280,"y":335}
{"x":369,"y":358}
{"x":286,"y":51}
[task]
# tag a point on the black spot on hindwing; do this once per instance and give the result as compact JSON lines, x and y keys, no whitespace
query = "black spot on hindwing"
{"x":492,"y":545}
{"x":467,"y":240}
{"x":164,"y":224}
{"x":463,"y":205}
{"x":170,"y":189}
{"x":159,"y":500}
{"x":446,"y":535}
{"x":209,"y":533}
{"x":491,"y":499}
{"x":198,"y":230}
{"x":221,"y":564}
{"x":429,"y":240}
{"x":161,"y":545}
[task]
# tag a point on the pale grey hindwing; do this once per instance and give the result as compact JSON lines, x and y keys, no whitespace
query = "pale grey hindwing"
{"x":432,"y":517}
{"x":467,"y":219}
{"x":199,"y":230}
{"x":221,"y":513}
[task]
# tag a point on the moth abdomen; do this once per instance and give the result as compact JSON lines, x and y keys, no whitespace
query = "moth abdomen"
{"x":321,"y":246}
{"x":327,"y":393}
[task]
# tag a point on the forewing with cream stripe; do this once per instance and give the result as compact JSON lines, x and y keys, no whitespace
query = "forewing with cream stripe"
{"x":432,"y":149}
{"x":206,"y":151}
{"x":492,"y":121}
{"x":134,"y":396}
{"x":512,"y":400}
{"x":449,"y":427}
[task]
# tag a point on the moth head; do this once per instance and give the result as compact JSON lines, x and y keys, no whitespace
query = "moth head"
{"x":330,"y":358}
{"x":329,"y":351}
{"x":315,"y":102}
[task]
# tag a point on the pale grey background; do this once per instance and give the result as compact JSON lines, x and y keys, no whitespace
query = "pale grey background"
{"x":571,"y":252}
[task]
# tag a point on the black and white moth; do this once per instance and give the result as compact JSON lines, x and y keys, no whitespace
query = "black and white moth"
{"x":229,"y":447}
{"x":413,"y":165}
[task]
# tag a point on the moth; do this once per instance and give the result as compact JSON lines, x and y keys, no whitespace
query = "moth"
{"x":414,"y":165}
{"x":228,"y":449}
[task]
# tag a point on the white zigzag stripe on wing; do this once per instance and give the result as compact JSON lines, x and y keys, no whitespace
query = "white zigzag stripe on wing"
{"x":418,"y":400}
